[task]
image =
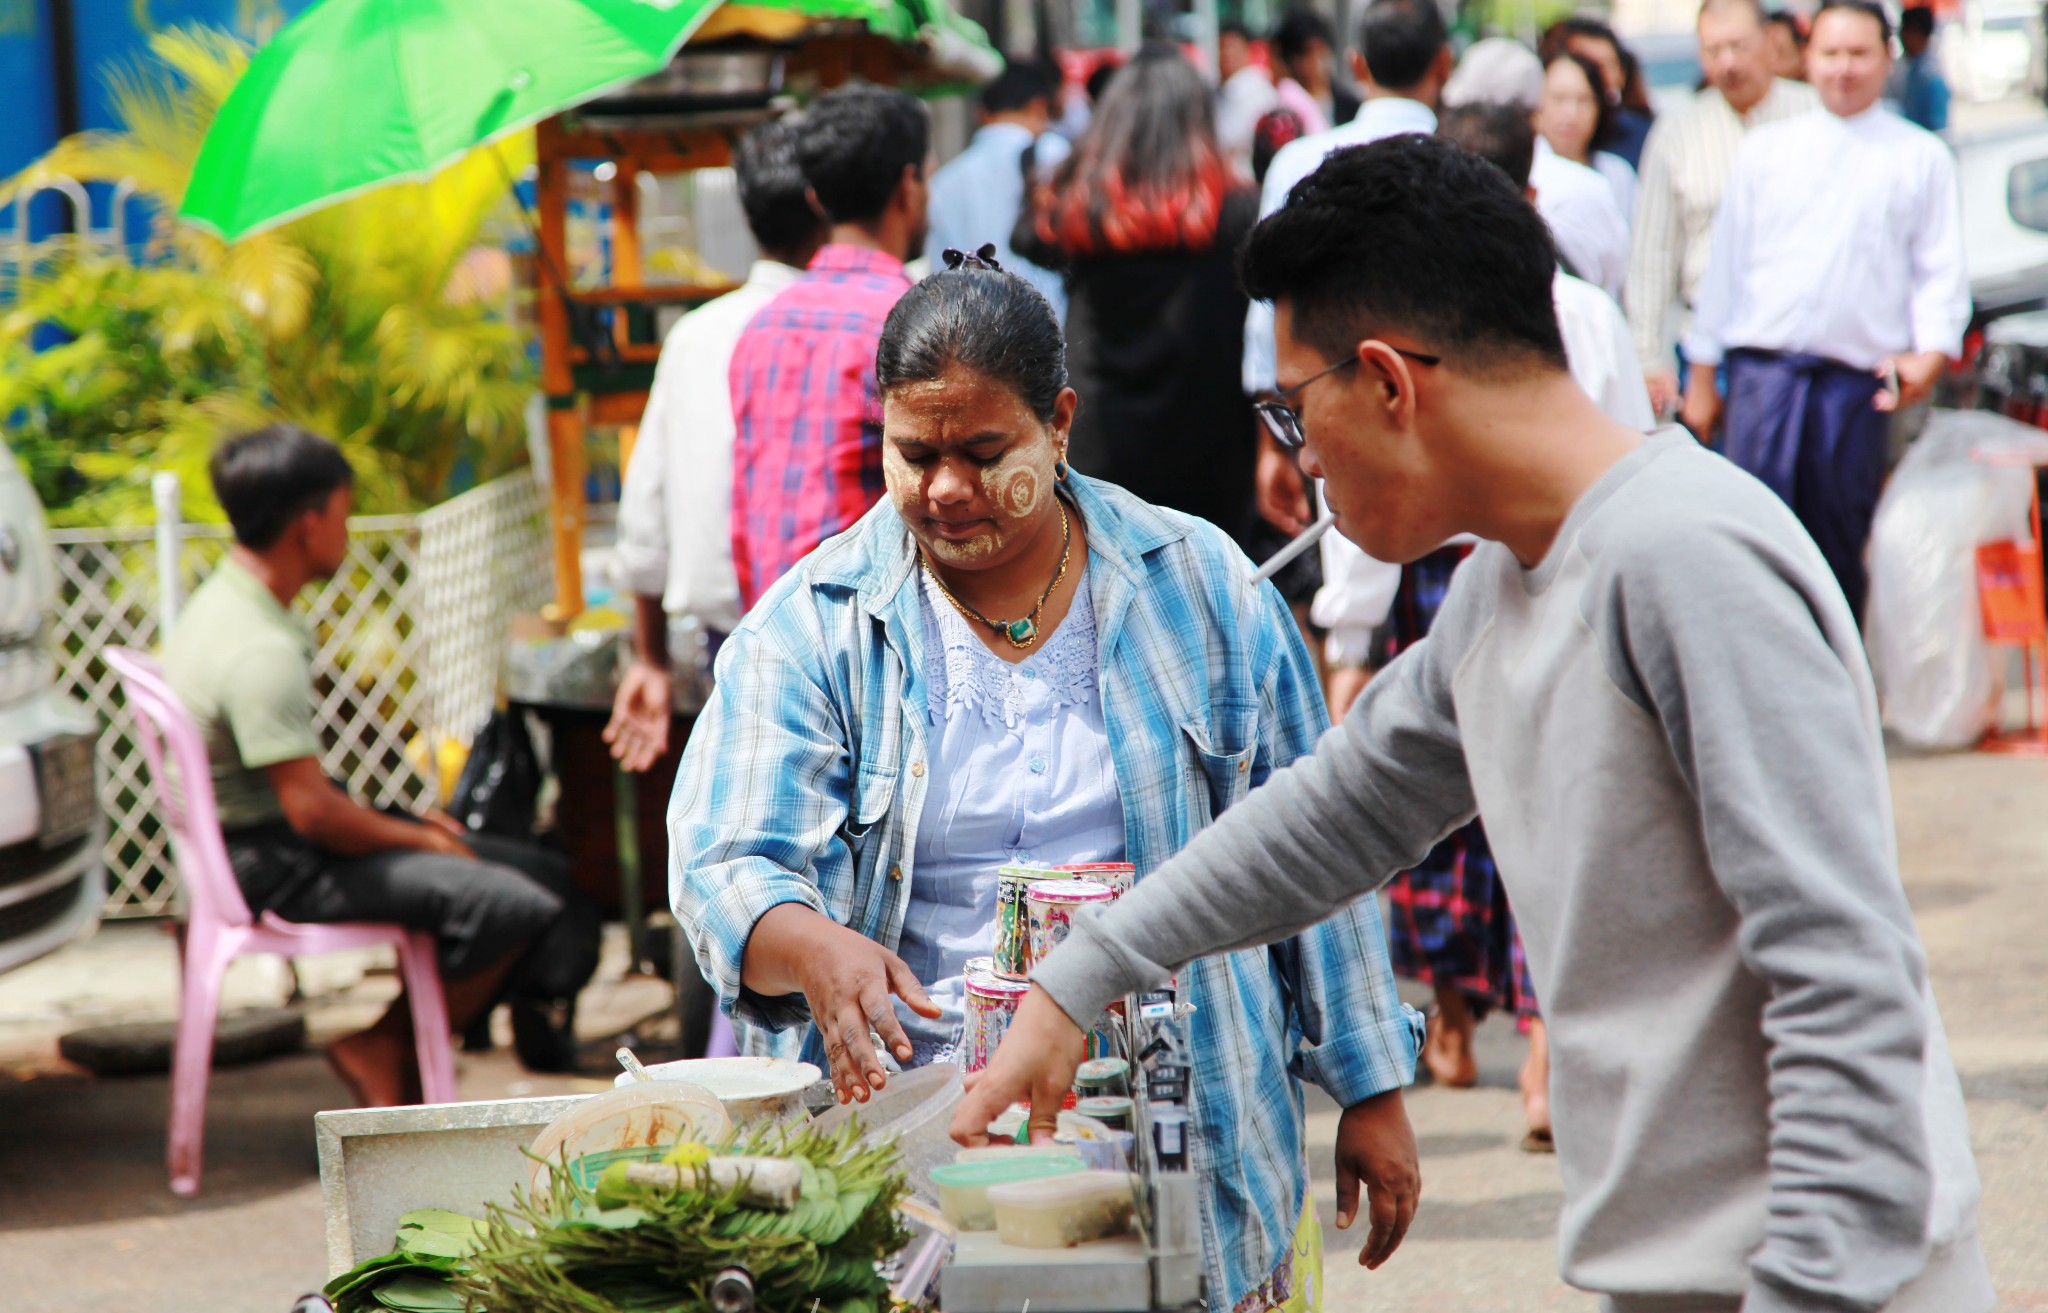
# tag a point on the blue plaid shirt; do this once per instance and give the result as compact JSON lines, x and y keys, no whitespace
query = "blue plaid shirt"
{"x":805,"y":781}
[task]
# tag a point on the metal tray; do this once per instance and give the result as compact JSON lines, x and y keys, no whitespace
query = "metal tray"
{"x":378,"y":1163}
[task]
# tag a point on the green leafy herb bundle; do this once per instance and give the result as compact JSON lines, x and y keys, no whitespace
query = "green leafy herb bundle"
{"x":626,"y":1247}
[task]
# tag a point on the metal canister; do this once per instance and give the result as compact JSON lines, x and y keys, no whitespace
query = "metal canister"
{"x":985,"y":966}
{"x":1117,"y":876}
{"x":1111,"y":1110}
{"x":991,"y":1003}
{"x":1013,"y":925}
{"x":1050,"y":906}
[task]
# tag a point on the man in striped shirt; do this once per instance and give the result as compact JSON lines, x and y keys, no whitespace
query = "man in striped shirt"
{"x":1685,"y":167}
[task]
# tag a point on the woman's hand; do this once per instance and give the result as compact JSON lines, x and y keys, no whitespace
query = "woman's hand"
{"x":847,"y":979}
{"x":1376,"y":1150}
{"x":1036,"y":1061}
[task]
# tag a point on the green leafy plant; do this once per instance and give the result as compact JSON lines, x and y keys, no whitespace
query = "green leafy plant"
{"x":621,"y":1247}
{"x":379,"y":321}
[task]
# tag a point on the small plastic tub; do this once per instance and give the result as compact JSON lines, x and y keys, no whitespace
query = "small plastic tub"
{"x":1062,"y":1211}
{"x":964,"y":1187}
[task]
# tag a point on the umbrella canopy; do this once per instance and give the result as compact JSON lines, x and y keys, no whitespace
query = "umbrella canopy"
{"x":355,"y":94}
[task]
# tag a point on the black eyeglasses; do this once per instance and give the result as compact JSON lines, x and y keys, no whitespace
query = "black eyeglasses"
{"x":1284,"y":422}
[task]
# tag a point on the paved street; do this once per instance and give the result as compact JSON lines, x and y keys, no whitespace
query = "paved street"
{"x":86,"y":1220}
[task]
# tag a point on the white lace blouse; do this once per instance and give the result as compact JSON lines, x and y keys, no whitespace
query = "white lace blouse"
{"x":1020,"y":774}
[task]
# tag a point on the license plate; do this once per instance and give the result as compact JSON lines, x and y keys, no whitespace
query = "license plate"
{"x":65,"y":784}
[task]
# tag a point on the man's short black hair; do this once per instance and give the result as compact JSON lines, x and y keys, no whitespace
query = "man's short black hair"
{"x":1917,"y":20}
{"x":1021,"y":82}
{"x":771,"y":187}
{"x":1788,"y":20}
{"x":1415,"y":234}
{"x":1232,"y":27}
{"x":854,"y":145}
{"x":1870,"y":10}
{"x":268,"y":478}
{"x":1300,"y":28}
{"x":1499,"y":134}
{"x":1400,"y":40}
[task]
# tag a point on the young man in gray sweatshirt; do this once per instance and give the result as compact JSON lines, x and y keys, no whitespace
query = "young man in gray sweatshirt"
{"x":1648,"y":680}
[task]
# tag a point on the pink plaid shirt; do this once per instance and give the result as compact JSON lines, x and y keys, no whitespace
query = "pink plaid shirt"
{"x":807,"y":458}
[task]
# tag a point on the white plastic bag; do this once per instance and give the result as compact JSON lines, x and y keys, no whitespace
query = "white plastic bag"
{"x":1938,"y":682}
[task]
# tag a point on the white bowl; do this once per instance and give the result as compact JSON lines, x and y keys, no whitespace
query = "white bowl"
{"x":750,"y":1088}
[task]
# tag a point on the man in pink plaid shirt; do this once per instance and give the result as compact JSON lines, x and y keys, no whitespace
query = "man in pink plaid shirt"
{"x":807,"y":461}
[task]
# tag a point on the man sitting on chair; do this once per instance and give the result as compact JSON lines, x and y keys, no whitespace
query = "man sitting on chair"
{"x":300,"y":846}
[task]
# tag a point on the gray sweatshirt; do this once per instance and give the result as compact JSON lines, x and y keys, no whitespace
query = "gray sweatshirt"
{"x":1670,"y":729}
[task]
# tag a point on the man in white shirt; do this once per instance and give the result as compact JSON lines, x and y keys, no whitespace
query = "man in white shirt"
{"x":1244,"y":93}
{"x":675,"y":541}
{"x":1590,"y":230}
{"x":979,"y":194}
{"x":1685,"y":168}
{"x":1835,"y":291}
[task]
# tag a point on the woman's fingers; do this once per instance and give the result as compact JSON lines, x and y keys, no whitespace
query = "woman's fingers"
{"x":874,"y":1001}
{"x":907,"y":987}
{"x":863,"y":1068}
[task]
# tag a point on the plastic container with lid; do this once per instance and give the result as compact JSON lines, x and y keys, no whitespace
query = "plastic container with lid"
{"x":963,"y":1187}
{"x":634,"y":1123}
{"x":1069,"y":1209}
{"x":915,"y":1110}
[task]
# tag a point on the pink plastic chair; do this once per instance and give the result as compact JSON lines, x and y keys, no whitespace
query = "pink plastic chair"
{"x":219,"y":927}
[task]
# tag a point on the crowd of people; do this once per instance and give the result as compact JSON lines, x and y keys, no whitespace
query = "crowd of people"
{"x":960,"y":491}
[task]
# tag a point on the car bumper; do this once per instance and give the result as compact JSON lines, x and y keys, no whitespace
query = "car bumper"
{"x":52,"y":879}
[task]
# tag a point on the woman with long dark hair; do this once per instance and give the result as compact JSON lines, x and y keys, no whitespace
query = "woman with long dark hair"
{"x":1145,"y":218}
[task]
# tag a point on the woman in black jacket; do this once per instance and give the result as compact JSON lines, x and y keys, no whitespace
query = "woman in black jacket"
{"x":1145,"y":218}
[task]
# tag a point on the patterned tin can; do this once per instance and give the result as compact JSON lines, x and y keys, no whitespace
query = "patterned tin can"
{"x":979,"y":966}
{"x":991,"y":1003}
{"x":1050,"y":905}
{"x":1013,"y":926}
{"x":1118,"y":876}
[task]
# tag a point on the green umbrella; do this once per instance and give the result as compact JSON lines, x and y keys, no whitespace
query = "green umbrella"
{"x":355,"y":94}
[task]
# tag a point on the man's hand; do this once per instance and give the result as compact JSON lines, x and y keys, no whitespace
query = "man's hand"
{"x":435,"y":816}
{"x":1702,"y":409}
{"x":638,"y":731}
{"x":1918,"y":372}
{"x":1663,"y":389}
{"x":1376,"y":1150}
{"x":1282,"y":491}
{"x":1036,"y":1061}
{"x":432,"y":838}
{"x":847,"y":979}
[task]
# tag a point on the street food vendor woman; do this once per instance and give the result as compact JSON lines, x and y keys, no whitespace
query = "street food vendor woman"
{"x":1005,"y":662}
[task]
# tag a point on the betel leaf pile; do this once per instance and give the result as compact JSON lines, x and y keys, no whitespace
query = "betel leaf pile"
{"x":432,"y":1246}
{"x":626,"y":1247}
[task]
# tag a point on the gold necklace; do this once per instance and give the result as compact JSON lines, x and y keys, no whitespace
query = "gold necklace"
{"x":1020,"y":633}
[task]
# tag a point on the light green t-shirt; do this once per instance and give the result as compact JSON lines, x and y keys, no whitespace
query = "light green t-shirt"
{"x":243,"y":666}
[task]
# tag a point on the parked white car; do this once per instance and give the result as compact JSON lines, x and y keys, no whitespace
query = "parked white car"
{"x":52,"y":883}
{"x":2003,"y":175}
{"x":1990,"y":50}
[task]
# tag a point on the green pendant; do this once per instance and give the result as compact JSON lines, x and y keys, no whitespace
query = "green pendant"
{"x":1021,"y":632}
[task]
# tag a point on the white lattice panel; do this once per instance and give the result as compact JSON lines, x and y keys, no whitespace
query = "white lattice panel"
{"x":483,"y":559}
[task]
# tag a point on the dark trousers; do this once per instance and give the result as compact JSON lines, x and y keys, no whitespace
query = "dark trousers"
{"x":1806,"y":427}
{"x":512,"y":896}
